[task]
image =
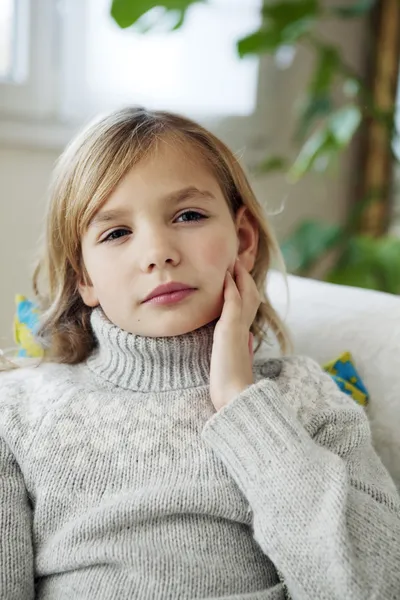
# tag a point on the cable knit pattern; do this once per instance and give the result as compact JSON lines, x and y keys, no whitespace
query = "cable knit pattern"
{"x":119,"y":480}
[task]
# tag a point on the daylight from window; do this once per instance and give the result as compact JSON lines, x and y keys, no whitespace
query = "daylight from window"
{"x":195,"y":69}
{"x":7,"y":13}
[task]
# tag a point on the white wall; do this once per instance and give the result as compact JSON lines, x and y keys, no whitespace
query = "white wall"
{"x":24,"y":176}
{"x":25,"y":173}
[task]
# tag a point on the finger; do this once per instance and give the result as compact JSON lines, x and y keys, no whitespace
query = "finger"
{"x":244,"y":281}
{"x":239,"y":273}
{"x":232,"y":300}
{"x":231,"y":292}
{"x":248,"y":292}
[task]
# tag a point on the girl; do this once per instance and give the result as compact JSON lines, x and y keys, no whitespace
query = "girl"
{"x":148,"y":457}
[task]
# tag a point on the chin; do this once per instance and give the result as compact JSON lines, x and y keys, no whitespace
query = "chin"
{"x":173,"y":329}
{"x":176,"y":325}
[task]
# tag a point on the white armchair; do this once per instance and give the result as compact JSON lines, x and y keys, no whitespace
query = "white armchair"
{"x":326,"y":320}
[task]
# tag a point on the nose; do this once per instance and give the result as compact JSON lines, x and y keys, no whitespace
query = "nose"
{"x":158,"y":250}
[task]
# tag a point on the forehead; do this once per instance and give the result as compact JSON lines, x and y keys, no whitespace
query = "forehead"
{"x":164,"y":171}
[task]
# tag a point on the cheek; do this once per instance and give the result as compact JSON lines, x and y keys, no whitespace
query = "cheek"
{"x":216,"y":257}
{"x":219,"y":253}
{"x":102,"y":273}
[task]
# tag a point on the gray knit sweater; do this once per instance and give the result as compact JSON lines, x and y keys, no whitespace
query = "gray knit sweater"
{"x":119,"y":481}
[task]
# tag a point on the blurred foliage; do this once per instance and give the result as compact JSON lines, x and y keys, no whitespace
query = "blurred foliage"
{"x":309,"y":241}
{"x":130,"y":12}
{"x":325,"y":126}
{"x":370,"y":263}
{"x":363,"y":261}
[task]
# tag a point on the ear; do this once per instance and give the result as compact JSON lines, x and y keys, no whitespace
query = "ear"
{"x":88,"y":294}
{"x":247,"y":234}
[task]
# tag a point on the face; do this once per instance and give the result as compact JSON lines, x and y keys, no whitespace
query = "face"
{"x":167,"y":222}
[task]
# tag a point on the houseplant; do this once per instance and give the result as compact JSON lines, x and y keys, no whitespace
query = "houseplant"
{"x":338,"y":102}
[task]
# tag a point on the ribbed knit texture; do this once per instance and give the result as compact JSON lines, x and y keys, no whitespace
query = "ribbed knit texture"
{"x":119,"y":480}
{"x":151,"y":364}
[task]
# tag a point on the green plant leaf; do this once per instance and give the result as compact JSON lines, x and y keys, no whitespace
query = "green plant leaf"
{"x":344,"y":123}
{"x":351,"y":87}
{"x":269,"y":39}
{"x":271,"y":164}
{"x":327,"y":68}
{"x":358,"y":9}
{"x":357,"y":265}
{"x":308,"y":243}
{"x":285,"y":24}
{"x":388,"y":258}
{"x":371,"y":263}
{"x":320,"y":144}
{"x":355,"y":276}
{"x":128,"y":12}
{"x":314,"y":108}
{"x":263,"y":40}
{"x":327,"y":141}
{"x":317,"y":102}
{"x":291,"y":11}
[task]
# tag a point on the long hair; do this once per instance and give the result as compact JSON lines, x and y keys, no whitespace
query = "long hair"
{"x":86,"y":174}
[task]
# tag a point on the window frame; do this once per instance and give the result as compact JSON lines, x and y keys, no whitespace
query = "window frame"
{"x":33,"y":96}
{"x":43,"y":111}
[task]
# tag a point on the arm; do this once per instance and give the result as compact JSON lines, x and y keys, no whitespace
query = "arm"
{"x":325,"y":510}
{"x":16,"y":554}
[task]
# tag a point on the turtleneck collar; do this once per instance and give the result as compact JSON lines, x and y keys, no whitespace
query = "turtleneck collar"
{"x":150,"y":364}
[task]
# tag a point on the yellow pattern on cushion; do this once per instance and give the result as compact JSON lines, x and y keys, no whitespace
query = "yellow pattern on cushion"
{"x":345,"y":374}
{"x":26,"y":321}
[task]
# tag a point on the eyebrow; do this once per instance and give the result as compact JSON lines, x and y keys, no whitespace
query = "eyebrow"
{"x":175,"y":197}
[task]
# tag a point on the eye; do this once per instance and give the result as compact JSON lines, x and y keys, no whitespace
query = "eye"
{"x":190,"y":215}
{"x":115,"y":235}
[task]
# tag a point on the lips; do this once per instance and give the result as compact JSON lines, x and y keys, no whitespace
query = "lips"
{"x":167,"y":288}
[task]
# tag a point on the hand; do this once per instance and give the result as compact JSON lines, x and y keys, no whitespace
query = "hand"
{"x":232,"y":353}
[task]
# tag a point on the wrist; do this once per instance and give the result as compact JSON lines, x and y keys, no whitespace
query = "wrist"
{"x":232,"y":392}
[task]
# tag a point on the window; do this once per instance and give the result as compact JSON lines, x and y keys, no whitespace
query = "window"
{"x":7,"y":39}
{"x":195,"y":69}
{"x":74,"y":62}
{"x":27,"y":54}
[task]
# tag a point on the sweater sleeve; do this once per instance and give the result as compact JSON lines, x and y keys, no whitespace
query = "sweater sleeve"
{"x":325,"y":510}
{"x":16,"y":554}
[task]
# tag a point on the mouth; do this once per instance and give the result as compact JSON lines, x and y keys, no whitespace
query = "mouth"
{"x":169,"y":293}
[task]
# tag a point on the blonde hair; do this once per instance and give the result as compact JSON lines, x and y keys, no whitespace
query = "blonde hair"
{"x":86,"y":174}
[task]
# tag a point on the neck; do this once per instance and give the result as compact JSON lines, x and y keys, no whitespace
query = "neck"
{"x":150,"y":364}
